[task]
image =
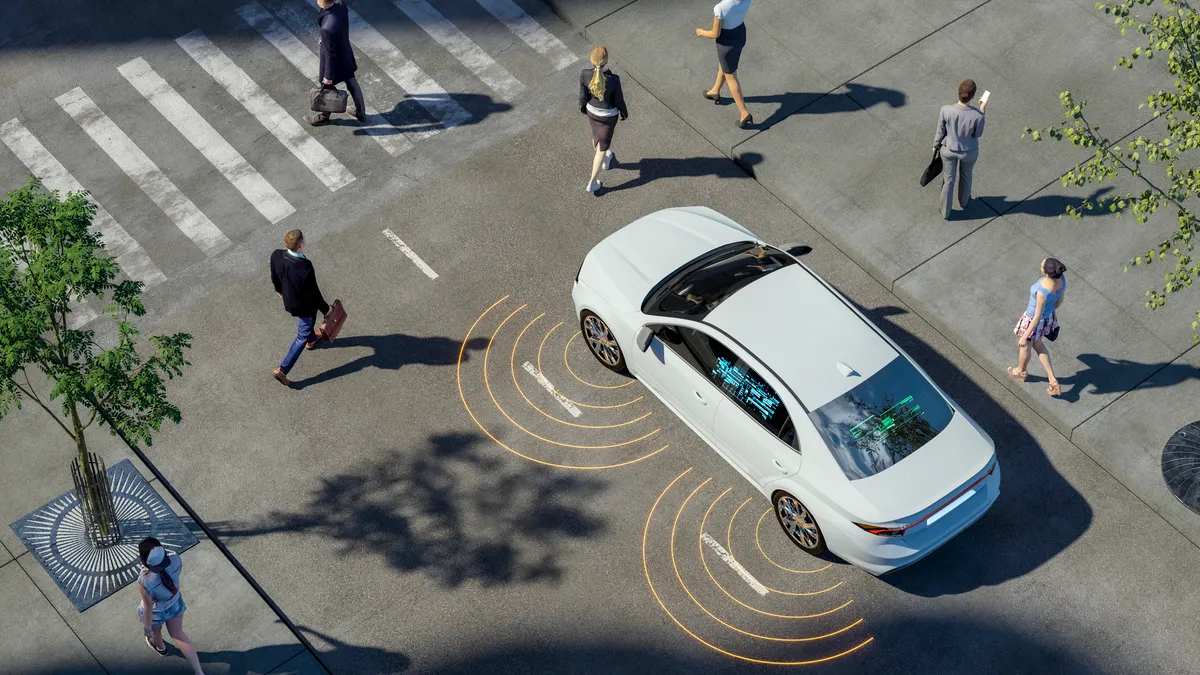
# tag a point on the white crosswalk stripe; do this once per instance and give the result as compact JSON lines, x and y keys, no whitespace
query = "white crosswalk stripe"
{"x":405,"y":73}
{"x":462,"y":47}
{"x":136,"y":264}
{"x":270,"y":114}
{"x":302,"y":58}
{"x":205,"y":138}
{"x":144,"y":172}
{"x":530,"y":31}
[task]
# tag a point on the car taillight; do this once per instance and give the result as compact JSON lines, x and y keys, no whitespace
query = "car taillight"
{"x":881,"y":531}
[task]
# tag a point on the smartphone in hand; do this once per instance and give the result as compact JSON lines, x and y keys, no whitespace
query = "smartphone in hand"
{"x":984,"y":99}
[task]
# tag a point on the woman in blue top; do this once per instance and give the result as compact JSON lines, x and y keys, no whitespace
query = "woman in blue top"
{"x":162,"y":601}
{"x":1040,"y":319}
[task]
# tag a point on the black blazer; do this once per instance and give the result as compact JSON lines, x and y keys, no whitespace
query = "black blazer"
{"x":337,"y":58}
{"x":295,"y":278}
{"x":613,"y":96}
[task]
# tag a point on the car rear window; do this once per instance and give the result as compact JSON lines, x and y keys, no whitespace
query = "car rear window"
{"x":882,"y":420}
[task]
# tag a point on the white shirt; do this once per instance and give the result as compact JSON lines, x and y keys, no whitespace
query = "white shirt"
{"x":731,"y":12}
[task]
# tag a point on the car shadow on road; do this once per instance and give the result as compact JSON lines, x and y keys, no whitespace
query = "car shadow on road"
{"x":393,"y":352}
{"x":1037,"y":515}
{"x":452,"y":510}
{"x":654,"y":168}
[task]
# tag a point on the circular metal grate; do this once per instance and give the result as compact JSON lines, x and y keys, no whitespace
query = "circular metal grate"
{"x":1181,"y":465}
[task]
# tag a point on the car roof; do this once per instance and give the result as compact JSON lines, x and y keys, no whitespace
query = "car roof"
{"x":805,"y":333}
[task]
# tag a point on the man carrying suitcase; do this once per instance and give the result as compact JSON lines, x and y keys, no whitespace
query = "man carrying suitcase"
{"x":337,"y":58}
{"x":296,"y":282}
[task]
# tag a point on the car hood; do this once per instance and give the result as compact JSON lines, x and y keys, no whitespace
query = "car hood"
{"x":912,"y":487}
{"x":631,"y":261}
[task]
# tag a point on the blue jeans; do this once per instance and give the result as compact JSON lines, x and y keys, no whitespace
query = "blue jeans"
{"x":304,"y":335}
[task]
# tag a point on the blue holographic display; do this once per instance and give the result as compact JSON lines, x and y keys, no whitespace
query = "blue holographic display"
{"x":745,"y":389}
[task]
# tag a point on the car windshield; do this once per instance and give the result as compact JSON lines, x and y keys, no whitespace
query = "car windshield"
{"x":882,"y":420}
{"x":701,"y":289}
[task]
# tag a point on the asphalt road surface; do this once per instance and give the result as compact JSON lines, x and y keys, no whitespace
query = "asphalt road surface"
{"x":419,"y":503}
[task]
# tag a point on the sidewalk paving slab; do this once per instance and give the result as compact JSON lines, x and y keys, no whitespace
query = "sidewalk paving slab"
{"x":976,"y":291}
{"x":303,"y":663}
{"x":1127,"y":437}
{"x":657,"y":44}
{"x":582,"y":13}
{"x":35,"y":637}
{"x":230,"y":625}
{"x":6,"y":556}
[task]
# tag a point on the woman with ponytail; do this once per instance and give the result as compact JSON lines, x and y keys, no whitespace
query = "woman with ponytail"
{"x":1040,"y":320}
{"x":600,"y":98}
{"x":162,"y":603}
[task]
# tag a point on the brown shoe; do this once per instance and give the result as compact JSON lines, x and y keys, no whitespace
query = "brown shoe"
{"x":319,"y":337}
{"x":283,"y":379}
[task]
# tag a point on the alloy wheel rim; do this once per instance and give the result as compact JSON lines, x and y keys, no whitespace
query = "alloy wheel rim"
{"x":601,"y":341}
{"x":798,"y":522}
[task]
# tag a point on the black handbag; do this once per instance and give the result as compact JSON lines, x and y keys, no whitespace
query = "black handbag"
{"x":327,"y":100}
{"x":1053,"y":335}
{"x":934,"y":169}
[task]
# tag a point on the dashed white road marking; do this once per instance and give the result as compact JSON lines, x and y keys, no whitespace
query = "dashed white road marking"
{"x":530,"y":31}
{"x":410,"y":254}
{"x":142,"y":171}
{"x":264,"y":108}
{"x":302,"y":58}
{"x":462,"y":47}
{"x":205,"y":138}
{"x":734,"y":564}
{"x":541,"y":379}
{"x":129,"y":254}
{"x":407,"y":74}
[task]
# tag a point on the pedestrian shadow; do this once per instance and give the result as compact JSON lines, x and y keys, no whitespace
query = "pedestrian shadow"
{"x":1105,"y":375}
{"x":653,"y":168}
{"x":1046,"y":205}
{"x":1038,"y":513}
{"x":290,"y":658}
{"x":452,"y":510}
{"x":856,"y":97}
{"x":393,"y":352}
{"x":410,"y":116}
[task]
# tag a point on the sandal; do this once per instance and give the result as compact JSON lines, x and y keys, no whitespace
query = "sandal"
{"x":1053,"y":389}
{"x":1017,"y":374}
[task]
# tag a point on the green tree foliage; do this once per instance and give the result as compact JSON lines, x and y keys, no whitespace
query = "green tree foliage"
{"x":50,"y":260}
{"x":1174,"y":35}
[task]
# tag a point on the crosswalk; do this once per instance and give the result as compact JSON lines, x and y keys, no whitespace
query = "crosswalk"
{"x":258,"y":188}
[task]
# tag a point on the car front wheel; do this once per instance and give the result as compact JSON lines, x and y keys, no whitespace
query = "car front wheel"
{"x":799,"y":524}
{"x":601,"y":341}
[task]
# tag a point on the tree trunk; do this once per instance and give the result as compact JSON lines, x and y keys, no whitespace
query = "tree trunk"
{"x":85,"y":468}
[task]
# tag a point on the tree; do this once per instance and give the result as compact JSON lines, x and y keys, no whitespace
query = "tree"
{"x":49,"y":261}
{"x":1175,"y":35}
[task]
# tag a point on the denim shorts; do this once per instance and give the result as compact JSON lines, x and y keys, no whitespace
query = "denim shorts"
{"x":161,"y":614}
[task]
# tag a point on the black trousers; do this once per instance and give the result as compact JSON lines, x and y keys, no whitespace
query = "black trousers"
{"x":355,"y":93}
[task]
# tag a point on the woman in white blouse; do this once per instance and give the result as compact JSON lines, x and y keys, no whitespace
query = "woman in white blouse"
{"x":729,"y":30}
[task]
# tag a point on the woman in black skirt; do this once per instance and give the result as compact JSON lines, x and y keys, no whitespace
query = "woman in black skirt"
{"x":729,"y":30}
{"x":600,"y":98}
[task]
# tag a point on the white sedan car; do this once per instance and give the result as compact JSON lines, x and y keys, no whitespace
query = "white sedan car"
{"x":856,"y":447}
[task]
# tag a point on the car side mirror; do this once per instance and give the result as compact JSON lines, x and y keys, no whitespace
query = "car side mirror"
{"x":642,"y":340}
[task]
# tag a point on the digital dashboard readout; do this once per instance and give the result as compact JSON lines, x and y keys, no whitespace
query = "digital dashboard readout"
{"x":745,"y":388}
{"x":887,"y":423}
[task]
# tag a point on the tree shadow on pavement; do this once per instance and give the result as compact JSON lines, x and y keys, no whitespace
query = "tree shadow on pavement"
{"x":1045,"y":205}
{"x":451,"y":511}
{"x":1116,"y":376}
{"x":393,"y":352}
{"x":857,"y":97}
{"x":654,"y":168}
{"x":1037,"y":515}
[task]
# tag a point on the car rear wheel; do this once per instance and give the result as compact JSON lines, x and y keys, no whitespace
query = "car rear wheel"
{"x":601,"y":341}
{"x":799,"y":524}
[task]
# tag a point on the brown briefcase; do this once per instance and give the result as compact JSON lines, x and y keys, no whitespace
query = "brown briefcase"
{"x":332,"y":325}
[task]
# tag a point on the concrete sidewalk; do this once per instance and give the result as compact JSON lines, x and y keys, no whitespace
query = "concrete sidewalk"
{"x":232,"y":627}
{"x":845,"y":98}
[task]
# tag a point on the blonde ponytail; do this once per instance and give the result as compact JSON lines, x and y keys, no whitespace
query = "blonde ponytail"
{"x":599,"y":58}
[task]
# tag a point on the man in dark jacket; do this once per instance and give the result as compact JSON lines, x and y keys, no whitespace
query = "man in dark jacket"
{"x":337,"y":58}
{"x":295,"y":281}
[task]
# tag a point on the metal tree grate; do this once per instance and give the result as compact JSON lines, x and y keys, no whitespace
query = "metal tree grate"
{"x":95,"y":502}
{"x":1181,"y":465}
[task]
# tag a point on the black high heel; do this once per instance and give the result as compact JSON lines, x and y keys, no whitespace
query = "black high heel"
{"x":715,"y":98}
{"x":745,"y":122}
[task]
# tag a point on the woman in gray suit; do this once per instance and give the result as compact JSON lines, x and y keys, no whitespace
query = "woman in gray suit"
{"x":958,"y":130}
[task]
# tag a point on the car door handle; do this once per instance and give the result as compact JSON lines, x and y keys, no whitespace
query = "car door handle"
{"x":700,"y":398}
{"x":781,"y":467}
